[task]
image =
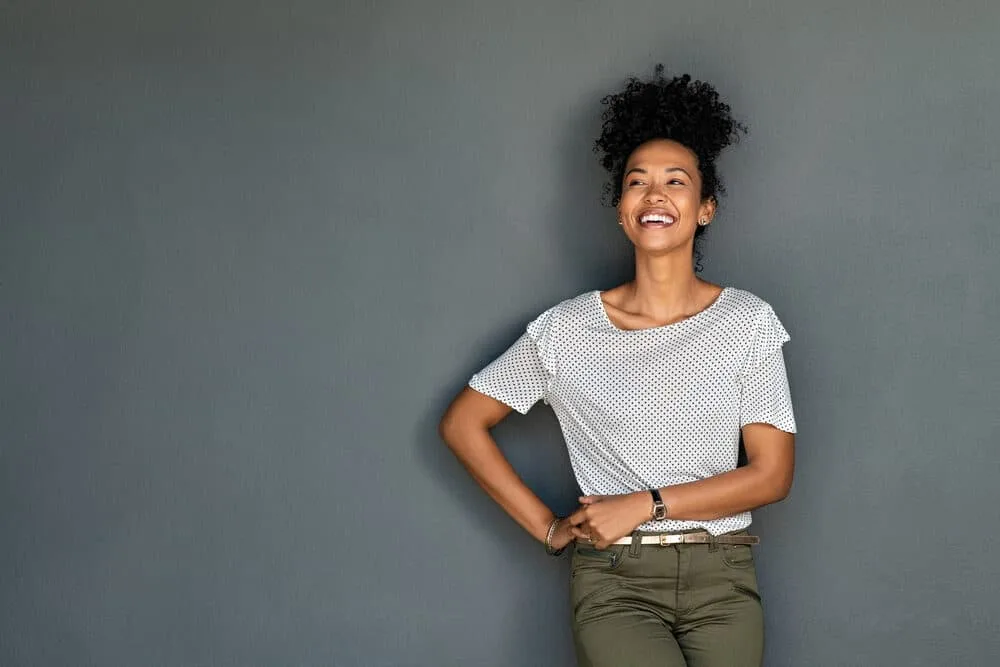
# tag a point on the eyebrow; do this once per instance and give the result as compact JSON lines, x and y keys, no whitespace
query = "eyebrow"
{"x":668,"y":170}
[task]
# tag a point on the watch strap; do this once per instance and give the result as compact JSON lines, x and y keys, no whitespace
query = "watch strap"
{"x":659,"y":509}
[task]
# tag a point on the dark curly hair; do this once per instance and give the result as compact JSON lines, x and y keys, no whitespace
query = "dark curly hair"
{"x":688,"y":112}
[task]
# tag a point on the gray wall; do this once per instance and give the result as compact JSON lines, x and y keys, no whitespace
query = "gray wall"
{"x":248,"y":252}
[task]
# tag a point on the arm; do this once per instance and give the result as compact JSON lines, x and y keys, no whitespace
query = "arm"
{"x":465,"y":428}
{"x":766,"y":478}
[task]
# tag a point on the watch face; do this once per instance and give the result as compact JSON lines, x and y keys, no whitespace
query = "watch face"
{"x":660,"y":512}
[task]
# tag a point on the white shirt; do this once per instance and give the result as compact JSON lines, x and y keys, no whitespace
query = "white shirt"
{"x":650,"y":407}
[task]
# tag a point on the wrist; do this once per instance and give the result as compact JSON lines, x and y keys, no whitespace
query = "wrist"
{"x":658,"y":508}
{"x":550,"y":533}
{"x":541,"y":531}
{"x":643,"y":507}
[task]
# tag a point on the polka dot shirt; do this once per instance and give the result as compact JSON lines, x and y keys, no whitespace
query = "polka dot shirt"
{"x":650,"y":407}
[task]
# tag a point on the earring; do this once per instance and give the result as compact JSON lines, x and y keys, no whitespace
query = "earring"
{"x":703,"y":222}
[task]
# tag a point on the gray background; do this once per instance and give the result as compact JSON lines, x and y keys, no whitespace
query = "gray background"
{"x":248,"y":252}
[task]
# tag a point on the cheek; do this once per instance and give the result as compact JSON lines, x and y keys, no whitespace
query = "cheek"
{"x":621,"y":208}
{"x":628,"y":201}
{"x":693,"y":202}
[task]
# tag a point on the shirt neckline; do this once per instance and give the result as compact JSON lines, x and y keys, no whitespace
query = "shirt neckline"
{"x":663,"y":327}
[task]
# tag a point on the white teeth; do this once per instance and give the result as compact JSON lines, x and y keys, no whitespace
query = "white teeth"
{"x":656,"y":217}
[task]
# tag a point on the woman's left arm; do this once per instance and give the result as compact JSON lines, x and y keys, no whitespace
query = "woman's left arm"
{"x":767,"y":478}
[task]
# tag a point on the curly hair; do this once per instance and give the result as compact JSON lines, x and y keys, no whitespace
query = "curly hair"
{"x":688,"y":112}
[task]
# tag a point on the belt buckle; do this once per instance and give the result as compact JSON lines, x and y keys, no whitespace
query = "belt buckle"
{"x":663,"y":539}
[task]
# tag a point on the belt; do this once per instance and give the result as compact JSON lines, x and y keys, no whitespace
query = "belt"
{"x":665,"y":539}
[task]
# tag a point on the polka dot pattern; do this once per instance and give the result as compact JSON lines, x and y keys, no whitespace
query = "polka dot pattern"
{"x":650,"y":407}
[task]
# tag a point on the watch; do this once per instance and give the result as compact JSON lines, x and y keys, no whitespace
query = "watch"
{"x":659,"y":509}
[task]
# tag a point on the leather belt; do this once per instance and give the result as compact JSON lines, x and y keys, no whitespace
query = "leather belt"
{"x":666,"y":539}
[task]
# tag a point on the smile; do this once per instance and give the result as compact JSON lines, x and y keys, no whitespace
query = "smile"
{"x":651,"y":219}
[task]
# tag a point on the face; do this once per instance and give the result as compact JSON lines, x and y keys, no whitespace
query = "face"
{"x":661,"y":203}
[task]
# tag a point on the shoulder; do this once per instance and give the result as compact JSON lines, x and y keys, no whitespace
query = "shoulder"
{"x":747,"y":305}
{"x":580,"y":305}
{"x":755,"y":318}
{"x":580,"y":310}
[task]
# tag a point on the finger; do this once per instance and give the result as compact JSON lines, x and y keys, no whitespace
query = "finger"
{"x":586,"y":538}
{"x":601,"y":544}
{"x":590,"y":500}
{"x":579,"y":533}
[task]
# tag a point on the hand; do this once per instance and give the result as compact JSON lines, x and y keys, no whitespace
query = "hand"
{"x":563,"y":535}
{"x":602,"y":520}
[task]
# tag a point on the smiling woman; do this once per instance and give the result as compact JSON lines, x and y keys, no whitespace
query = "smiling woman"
{"x":653,"y":382}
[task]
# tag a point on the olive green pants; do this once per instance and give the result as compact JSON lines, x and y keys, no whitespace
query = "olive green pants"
{"x":685,"y":605}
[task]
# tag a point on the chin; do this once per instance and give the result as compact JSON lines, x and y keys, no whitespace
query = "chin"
{"x":661,"y":248}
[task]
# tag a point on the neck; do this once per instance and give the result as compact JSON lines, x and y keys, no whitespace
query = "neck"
{"x":665,"y":285}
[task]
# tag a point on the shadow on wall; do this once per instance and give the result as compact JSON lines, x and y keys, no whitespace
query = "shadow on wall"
{"x":533,"y":446}
{"x":596,"y":253}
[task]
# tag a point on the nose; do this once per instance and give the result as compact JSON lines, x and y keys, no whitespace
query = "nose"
{"x":655,"y":195}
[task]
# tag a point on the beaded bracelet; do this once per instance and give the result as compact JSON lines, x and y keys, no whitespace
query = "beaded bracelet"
{"x":548,"y":538}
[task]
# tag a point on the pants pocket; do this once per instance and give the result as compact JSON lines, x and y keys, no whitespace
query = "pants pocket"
{"x":593,"y":579}
{"x":590,"y":558}
{"x":737,"y":556}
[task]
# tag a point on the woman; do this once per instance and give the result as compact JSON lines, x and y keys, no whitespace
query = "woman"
{"x":653,"y":383}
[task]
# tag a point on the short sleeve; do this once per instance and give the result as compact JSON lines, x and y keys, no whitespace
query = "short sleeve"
{"x":520,"y":376}
{"x":764,"y":393}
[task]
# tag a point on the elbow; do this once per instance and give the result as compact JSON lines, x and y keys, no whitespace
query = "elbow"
{"x":774,"y":479}
{"x":447,"y":429}
{"x":773,"y":486}
{"x":782,"y":488}
{"x":454,"y":428}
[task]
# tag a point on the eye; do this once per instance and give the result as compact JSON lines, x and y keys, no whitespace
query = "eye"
{"x":676,"y":181}
{"x":634,"y":182}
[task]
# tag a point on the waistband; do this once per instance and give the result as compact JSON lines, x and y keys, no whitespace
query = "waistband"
{"x":700,"y":537}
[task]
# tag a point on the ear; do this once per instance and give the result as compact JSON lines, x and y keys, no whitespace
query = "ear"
{"x":707,"y":209}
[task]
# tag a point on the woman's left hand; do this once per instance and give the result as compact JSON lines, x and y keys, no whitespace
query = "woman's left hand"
{"x":603,"y":519}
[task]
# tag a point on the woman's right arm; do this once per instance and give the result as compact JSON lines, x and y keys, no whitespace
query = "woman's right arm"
{"x":465,"y":428}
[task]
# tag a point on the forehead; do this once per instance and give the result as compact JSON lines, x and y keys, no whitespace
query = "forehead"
{"x":662,"y":152}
